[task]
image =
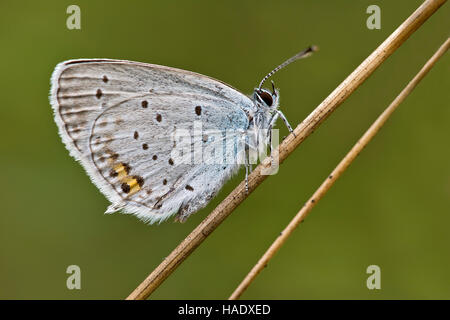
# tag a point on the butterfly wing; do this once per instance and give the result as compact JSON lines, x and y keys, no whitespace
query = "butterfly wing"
{"x":129,"y":124}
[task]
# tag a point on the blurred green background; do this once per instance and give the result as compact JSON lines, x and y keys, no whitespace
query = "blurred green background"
{"x":391,"y":208}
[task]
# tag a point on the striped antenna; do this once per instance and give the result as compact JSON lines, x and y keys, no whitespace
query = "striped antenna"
{"x":303,"y":54}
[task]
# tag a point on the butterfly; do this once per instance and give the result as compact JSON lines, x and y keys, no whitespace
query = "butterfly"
{"x":136,"y":129}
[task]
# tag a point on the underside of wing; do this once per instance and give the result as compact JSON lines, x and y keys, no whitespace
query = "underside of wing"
{"x":123,"y":120}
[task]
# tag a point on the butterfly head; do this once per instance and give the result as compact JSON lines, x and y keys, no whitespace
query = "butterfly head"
{"x":266,"y":99}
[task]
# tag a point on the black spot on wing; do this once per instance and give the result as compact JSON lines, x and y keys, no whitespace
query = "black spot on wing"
{"x":125,"y":187}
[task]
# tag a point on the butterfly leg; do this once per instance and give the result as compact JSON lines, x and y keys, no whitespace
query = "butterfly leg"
{"x":286,"y":122}
{"x":247,"y":164}
{"x":270,"y":146}
{"x":269,"y":133}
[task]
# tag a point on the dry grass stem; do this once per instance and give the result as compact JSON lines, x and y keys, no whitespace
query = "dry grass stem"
{"x":336,"y":173}
{"x":303,"y":130}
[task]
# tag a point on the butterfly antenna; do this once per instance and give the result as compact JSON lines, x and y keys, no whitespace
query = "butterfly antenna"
{"x":303,"y":54}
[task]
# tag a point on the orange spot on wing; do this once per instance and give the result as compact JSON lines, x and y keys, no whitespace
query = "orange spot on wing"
{"x":121,"y":171}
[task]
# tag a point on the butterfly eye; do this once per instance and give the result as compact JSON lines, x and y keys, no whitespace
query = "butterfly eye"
{"x":266,"y":97}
